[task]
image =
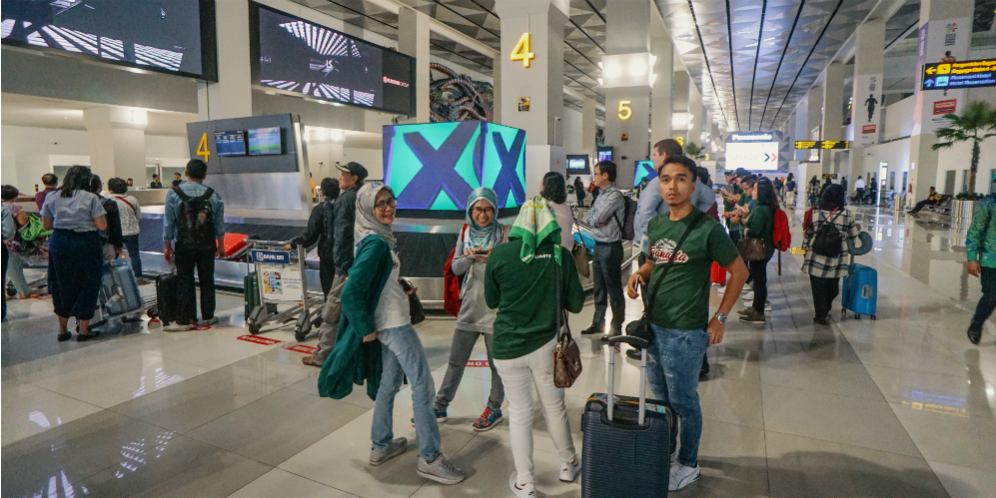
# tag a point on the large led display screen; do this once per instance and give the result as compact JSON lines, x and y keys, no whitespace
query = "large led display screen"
{"x":753,"y":156}
{"x":435,"y":166}
{"x":175,"y":36}
{"x":297,"y":57}
{"x":644,"y":171}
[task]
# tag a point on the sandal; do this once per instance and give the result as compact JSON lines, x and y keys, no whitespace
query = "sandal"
{"x":87,"y":337}
{"x":64,"y":337}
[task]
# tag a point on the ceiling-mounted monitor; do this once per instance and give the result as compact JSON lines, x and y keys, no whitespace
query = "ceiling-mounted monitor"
{"x":174,"y":37}
{"x":293,"y":56}
{"x":605,"y":153}
{"x":577,"y":164}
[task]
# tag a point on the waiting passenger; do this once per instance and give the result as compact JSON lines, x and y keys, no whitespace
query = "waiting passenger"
{"x":554,"y":190}
{"x":679,"y":305}
{"x":131,"y":217}
{"x":981,"y":248}
{"x":530,"y":280}
{"x":375,"y":308}
{"x":113,"y":241}
{"x":932,"y":199}
{"x":156,"y":183}
{"x":579,"y":190}
{"x":606,"y":217}
{"x":321,"y":229}
{"x":761,"y":224}
{"x":826,"y":270}
{"x":20,"y":219}
{"x":51,"y":183}
{"x":8,"y":236}
{"x":195,"y":222}
{"x":484,"y":232}
{"x":351,"y":178}
{"x":75,"y":257}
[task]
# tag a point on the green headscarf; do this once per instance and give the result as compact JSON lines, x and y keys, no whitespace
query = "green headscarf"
{"x":536,"y":223}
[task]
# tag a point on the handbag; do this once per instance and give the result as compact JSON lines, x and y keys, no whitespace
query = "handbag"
{"x":452,"y":282}
{"x":641,"y":328}
{"x":567,"y":355}
{"x":751,"y":248}
{"x":415,"y":307}
{"x":581,"y":259}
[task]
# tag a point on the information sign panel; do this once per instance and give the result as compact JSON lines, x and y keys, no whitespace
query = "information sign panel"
{"x":964,"y":74}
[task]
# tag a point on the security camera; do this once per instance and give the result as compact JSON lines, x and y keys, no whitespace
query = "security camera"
{"x":558,"y":119}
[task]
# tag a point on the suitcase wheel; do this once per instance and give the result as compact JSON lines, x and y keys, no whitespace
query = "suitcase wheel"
{"x":152,"y":313}
{"x":253,"y":328}
{"x":11,"y":291}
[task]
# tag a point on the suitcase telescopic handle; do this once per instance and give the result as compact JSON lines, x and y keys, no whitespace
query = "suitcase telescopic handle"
{"x":610,"y":399}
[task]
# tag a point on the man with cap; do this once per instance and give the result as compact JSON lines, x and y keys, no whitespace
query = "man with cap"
{"x":351,"y":178}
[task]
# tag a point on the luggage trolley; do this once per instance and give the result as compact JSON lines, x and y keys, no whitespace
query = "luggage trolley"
{"x":279,"y":278}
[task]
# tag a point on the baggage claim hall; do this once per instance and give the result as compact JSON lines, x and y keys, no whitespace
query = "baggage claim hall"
{"x":498,"y":248}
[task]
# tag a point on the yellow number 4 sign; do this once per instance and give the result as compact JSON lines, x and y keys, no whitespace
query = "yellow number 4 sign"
{"x":522,"y":52}
{"x":202,"y":148}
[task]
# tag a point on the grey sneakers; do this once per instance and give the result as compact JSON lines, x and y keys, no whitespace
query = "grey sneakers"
{"x":397,"y":447}
{"x":440,"y":470}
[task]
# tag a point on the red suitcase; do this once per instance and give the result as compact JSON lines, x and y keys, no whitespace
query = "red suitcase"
{"x":718,"y":274}
{"x":234,"y":244}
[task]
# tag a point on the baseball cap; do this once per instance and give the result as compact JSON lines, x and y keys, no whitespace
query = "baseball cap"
{"x":353,"y":168}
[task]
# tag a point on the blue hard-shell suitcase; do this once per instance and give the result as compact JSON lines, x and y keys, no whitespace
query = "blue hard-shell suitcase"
{"x":860,"y":292}
{"x":626,"y":456}
{"x":119,"y":292}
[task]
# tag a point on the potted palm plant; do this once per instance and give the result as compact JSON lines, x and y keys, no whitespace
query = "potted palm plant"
{"x":693,"y":151}
{"x":974,"y":125}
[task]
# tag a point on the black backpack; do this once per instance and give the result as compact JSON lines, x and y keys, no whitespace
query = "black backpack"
{"x":626,"y":224}
{"x":828,"y":241}
{"x":195,"y":220}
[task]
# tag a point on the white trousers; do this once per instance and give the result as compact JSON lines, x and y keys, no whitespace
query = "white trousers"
{"x":518,"y":376}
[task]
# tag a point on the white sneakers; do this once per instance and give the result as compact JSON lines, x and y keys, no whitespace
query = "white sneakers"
{"x":527,"y":490}
{"x":176,"y":327}
{"x":569,"y":470}
{"x":681,"y":476}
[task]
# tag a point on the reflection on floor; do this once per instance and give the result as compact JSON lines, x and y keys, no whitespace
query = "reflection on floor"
{"x":901,"y":406}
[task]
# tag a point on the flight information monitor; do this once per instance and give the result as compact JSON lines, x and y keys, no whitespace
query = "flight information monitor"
{"x":230,"y":143}
{"x":435,"y":166}
{"x":604,"y":154}
{"x":176,"y":37}
{"x":297,"y":57}
{"x":577,"y":164}
{"x":265,"y":141}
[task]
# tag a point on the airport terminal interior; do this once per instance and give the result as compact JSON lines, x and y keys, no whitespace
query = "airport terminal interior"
{"x":478,"y":115}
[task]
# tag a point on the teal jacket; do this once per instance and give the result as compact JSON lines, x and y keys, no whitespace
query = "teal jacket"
{"x":353,"y":361}
{"x":981,"y":244}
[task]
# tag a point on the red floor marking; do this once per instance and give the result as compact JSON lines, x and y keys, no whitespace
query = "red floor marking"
{"x":479,"y":363}
{"x":301,"y":348}
{"x":266,"y":341}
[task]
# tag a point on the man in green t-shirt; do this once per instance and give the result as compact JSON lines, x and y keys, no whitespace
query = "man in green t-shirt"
{"x":679,"y":310}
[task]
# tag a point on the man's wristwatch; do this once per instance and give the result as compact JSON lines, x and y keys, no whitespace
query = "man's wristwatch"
{"x":721,"y":317}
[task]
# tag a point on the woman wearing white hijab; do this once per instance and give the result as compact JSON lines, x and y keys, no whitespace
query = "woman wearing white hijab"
{"x":482,"y":232}
{"x":384,"y":316}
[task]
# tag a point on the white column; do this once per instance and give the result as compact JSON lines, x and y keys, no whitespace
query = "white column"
{"x":833,"y":110}
{"x":866,"y":97}
{"x":413,"y":40}
{"x":589,"y":128}
{"x":116,"y":139}
{"x":935,"y":39}
{"x":542,"y":83}
{"x":697,"y":113}
{"x":661,"y":93}
{"x":231,"y":96}
{"x":679,"y":104}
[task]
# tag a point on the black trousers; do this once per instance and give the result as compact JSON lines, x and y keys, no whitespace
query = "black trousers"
{"x":187,"y":260}
{"x":607,"y":277}
{"x":759,"y":275}
{"x":920,"y":205}
{"x":580,"y":196}
{"x":326,"y":272}
{"x":825,"y":290}
{"x":6,"y":256}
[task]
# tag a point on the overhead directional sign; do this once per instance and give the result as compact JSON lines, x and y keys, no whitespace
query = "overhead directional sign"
{"x":965,"y":74}
{"x":825,"y":144}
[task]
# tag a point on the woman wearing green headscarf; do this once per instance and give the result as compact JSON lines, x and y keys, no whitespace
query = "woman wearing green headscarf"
{"x":529,"y":280}
{"x":478,"y":237}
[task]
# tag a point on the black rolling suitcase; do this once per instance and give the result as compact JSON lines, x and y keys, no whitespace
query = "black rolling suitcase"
{"x":626,"y":443}
{"x":169,"y":305}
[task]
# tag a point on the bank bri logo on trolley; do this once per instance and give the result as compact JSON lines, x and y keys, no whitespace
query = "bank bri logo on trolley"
{"x":273,"y":257}
{"x":435,"y":166}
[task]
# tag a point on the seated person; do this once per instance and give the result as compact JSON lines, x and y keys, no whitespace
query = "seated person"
{"x":932,"y":200}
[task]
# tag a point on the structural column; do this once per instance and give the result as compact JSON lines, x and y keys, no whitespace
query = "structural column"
{"x":116,"y":139}
{"x":679,"y":105}
{"x":413,"y":40}
{"x":661,"y":94}
{"x":231,"y":96}
{"x":626,"y":79}
{"x":833,"y":111}
{"x":945,"y":31}
{"x":696,"y":115}
{"x":533,"y":87}
{"x":866,"y":97}
{"x":589,"y":128}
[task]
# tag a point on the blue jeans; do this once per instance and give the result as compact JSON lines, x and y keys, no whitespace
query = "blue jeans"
{"x":402,"y":354}
{"x":673,"y":364}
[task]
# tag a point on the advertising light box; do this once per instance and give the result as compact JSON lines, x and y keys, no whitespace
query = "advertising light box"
{"x":176,"y":37}
{"x":435,"y":166}
{"x":644,"y":171}
{"x":753,"y":150}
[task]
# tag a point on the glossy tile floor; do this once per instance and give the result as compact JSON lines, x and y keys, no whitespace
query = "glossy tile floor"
{"x":898,"y":407}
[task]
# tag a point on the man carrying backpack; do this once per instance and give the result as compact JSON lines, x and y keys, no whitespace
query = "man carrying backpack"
{"x":194,"y":223}
{"x":607,"y":217}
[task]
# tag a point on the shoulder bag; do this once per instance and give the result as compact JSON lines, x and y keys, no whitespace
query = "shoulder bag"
{"x":581,"y":258}
{"x":641,"y":328}
{"x":567,"y":356}
{"x":751,"y":248}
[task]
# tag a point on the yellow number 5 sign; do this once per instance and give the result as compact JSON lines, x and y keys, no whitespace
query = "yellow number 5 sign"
{"x":522,"y":52}
{"x":625,"y":111}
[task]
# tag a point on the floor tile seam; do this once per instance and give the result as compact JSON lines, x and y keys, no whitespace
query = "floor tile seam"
{"x":920,"y":453}
{"x":297,"y":475}
{"x":823,"y":392}
{"x":247,"y":405}
{"x":43,"y":388}
{"x":956,"y":376}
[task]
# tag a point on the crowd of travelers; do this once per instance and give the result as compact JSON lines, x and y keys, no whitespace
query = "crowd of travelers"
{"x":517,"y":282}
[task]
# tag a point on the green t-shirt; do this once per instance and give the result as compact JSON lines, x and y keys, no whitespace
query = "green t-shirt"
{"x":682,"y":301}
{"x":727,"y":205}
{"x":761,"y":223}
{"x":743,"y":201}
